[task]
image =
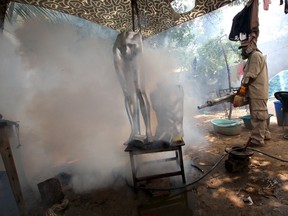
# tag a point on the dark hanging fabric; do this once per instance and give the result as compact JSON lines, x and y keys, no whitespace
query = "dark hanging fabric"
{"x":3,"y":9}
{"x":241,"y":24}
{"x":254,"y":23}
{"x":285,"y":6}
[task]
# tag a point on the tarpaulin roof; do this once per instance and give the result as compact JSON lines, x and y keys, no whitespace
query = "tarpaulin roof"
{"x":155,"y":15}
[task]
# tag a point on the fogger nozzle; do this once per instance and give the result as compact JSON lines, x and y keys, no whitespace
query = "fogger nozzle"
{"x":227,"y":98}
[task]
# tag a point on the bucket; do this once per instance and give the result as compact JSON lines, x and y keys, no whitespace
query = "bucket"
{"x":247,"y":121}
{"x":279,"y":113}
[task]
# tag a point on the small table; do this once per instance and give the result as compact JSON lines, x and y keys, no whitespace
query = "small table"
{"x":155,"y":147}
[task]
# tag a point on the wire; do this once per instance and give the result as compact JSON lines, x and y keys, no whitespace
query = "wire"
{"x":277,"y":158}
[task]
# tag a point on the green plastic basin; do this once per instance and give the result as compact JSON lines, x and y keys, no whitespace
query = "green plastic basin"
{"x":226,"y":126}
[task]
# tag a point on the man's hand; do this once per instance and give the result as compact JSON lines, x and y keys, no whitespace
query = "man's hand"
{"x":240,"y":100}
{"x":242,"y":91}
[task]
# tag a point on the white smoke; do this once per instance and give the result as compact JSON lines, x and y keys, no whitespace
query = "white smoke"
{"x":65,"y":93}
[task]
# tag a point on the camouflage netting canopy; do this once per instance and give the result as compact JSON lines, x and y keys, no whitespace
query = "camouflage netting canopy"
{"x":155,"y":15}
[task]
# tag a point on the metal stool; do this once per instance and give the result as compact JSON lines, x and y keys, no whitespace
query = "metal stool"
{"x":155,"y":148}
{"x":282,"y":96}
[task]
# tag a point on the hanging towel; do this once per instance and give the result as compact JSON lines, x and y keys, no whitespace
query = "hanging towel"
{"x":245,"y":24}
{"x":266,"y":4}
{"x":241,"y":24}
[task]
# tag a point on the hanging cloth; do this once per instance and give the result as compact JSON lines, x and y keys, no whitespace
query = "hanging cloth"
{"x":254,"y":23}
{"x":285,"y":6}
{"x":241,"y":24}
{"x":245,"y":25}
{"x":266,"y":4}
{"x":3,"y":9}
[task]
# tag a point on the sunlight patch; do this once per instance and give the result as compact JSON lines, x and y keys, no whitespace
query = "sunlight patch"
{"x":285,"y":187}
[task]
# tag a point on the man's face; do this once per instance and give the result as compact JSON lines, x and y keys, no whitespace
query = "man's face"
{"x":244,"y":54}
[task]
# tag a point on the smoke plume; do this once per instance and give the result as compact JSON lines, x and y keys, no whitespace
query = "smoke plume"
{"x":63,"y":90}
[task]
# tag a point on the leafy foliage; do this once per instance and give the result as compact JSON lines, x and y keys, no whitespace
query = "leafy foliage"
{"x":211,"y":63}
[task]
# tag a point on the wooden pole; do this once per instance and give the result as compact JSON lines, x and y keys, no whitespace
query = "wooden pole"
{"x":229,"y":78}
{"x":10,"y":167}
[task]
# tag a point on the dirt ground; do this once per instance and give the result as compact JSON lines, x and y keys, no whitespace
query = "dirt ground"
{"x":259,"y":189}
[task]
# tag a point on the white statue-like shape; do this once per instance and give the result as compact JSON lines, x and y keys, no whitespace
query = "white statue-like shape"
{"x":127,"y":49}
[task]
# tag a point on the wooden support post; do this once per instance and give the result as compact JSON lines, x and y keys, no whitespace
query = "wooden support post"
{"x":10,"y":167}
